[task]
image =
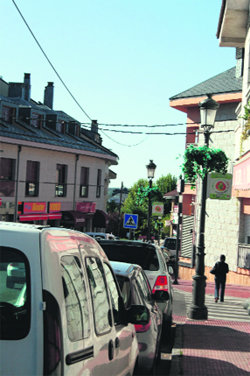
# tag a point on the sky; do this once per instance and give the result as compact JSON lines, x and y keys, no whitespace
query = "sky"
{"x":122,"y":60}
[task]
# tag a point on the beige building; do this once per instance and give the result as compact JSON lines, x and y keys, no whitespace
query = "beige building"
{"x":52,"y":170}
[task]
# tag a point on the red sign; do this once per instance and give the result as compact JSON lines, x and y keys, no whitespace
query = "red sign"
{"x":86,"y":207}
{"x":54,"y":207}
{"x":34,"y":207}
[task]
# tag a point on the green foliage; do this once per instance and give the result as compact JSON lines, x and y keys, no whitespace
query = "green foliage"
{"x":246,"y":129}
{"x":166,"y":183}
{"x":198,"y":161}
{"x":137,"y":200}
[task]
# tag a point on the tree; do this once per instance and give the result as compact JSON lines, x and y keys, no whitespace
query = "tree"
{"x":137,"y":200}
{"x":166,"y":184}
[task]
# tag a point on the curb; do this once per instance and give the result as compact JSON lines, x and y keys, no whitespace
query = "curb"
{"x":177,"y":357}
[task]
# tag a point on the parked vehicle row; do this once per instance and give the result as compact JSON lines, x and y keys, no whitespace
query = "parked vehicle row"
{"x":84,"y":314}
{"x":152,"y":261}
{"x":65,"y":315}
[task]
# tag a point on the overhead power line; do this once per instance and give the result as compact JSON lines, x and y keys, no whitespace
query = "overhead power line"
{"x":50,"y":63}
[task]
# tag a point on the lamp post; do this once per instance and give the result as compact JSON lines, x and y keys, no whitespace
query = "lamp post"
{"x":151,"y":172}
{"x":198,"y":310}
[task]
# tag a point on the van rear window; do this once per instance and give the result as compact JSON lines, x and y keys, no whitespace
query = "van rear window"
{"x":14,"y":294}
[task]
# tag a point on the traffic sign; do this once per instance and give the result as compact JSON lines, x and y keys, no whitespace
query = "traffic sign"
{"x":130,"y":220}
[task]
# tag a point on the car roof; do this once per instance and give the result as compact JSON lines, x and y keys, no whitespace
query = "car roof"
{"x":134,"y":243}
{"x":124,"y":268}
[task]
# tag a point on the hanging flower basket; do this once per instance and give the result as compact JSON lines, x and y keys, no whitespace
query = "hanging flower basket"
{"x":198,"y":161}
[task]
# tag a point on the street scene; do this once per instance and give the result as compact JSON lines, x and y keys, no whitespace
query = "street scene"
{"x":125,"y":188}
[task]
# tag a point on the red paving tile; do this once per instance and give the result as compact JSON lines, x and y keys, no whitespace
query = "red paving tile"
{"x":214,"y":347}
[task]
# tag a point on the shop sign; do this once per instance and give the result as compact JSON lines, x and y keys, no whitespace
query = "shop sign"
{"x":86,"y":207}
{"x":219,"y":186}
{"x":157,"y":209}
{"x":34,"y":207}
{"x":54,"y":207}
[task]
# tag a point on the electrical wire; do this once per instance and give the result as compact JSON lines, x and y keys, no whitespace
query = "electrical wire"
{"x":50,"y":63}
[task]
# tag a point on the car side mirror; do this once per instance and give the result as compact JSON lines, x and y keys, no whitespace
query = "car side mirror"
{"x":160,"y":296}
{"x":138,"y":314}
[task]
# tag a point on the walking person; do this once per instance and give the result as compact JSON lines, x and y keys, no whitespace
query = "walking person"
{"x":220,"y":271}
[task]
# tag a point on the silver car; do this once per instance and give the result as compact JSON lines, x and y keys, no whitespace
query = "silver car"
{"x":150,"y":258}
{"x":136,"y":290}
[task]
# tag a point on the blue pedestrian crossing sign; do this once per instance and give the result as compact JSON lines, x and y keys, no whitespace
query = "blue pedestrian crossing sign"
{"x":130,"y":220}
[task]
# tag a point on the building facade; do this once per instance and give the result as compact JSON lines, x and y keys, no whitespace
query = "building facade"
{"x":233,"y":31}
{"x":223,"y":217}
{"x":52,"y":170}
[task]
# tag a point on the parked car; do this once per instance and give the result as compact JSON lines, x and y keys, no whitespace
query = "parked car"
{"x":150,"y":258}
{"x":169,"y":245}
{"x":135,"y":289}
{"x":66,"y":314}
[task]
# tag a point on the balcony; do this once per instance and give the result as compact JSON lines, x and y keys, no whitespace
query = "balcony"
{"x":244,"y":256}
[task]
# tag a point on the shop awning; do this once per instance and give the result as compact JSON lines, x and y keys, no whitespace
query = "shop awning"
{"x":73,"y":218}
{"x":39,"y":217}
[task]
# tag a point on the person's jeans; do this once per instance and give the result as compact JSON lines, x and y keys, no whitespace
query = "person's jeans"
{"x":219,"y":288}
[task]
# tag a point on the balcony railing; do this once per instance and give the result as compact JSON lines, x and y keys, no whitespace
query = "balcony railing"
{"x":244,"y":256}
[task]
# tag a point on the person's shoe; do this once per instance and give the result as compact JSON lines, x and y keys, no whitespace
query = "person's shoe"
{"x":216,"y":300}
{"x":221,"y":301}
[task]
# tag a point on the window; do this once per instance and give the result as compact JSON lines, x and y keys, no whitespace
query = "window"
{"x":143,"y":286}
{"x":114,"y":294}
{"x":7,"y":168}
{"x":101,"y":307}
{"x":7,"y":177}
{"x":75,"y":298}
{"x":61,"y":177}
{"x":14,"y":294}
{"x":36,"y":120}
{"x":8,"y":114}
{"x":32,"y":178}
{"x":84,"y":182}
{"x":98,"y":185}
{"x":124,"y":285}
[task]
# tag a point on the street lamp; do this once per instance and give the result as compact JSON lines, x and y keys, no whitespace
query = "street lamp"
{"x":151,"y":173}
{"x":198,"y":310}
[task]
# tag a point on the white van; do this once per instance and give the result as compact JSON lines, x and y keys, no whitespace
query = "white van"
{"x":61,"y":310}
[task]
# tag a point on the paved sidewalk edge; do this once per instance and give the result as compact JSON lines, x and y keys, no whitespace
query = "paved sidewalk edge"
{"x":176,"y":362}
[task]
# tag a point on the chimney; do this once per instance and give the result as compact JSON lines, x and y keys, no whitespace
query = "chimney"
{"x":26,"y":83}
{"x":94,"y":126}
{"x":48,"y":95}
{"x":240,"y":52}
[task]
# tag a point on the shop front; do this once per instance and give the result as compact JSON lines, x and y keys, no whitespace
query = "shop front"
{"x":40,"y":212}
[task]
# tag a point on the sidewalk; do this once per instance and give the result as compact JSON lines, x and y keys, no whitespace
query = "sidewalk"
{"x":210,"y":347}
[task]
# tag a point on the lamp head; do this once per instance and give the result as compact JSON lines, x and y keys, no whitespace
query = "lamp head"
{"x":151,"y":169}
{"x":208,"y":109}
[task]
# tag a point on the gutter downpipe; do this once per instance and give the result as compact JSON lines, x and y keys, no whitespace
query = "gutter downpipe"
{"x":17,"y":182}
{"x":74,"y":192}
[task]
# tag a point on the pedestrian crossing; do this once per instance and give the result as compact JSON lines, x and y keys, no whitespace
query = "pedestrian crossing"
{"x":230,"y":310}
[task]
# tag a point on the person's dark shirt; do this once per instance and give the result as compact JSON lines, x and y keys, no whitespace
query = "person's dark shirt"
{"x":221,"y":270}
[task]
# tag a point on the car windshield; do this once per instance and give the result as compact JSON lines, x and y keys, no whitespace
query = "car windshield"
{"x":139,"y":254}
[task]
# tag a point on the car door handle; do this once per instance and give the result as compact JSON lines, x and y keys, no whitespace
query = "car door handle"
{"x":111,"y":349}
{"x":117,"y":342}
{"x":79,"y":356}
